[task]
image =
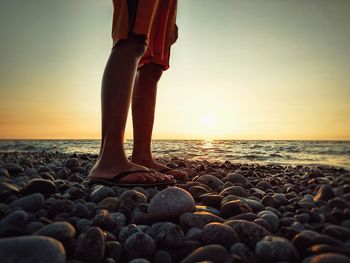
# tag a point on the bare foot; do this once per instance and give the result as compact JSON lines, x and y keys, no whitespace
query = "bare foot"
{"x":100,"y":171}
{"x":152,"y":164}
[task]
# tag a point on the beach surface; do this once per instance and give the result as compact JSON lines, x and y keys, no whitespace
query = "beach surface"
{"x":225,"y":212}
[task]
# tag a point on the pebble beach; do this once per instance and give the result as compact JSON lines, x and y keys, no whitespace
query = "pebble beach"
{"x":225,"y":212}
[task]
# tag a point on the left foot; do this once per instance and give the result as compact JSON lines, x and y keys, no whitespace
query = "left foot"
{"x":152,"y":164}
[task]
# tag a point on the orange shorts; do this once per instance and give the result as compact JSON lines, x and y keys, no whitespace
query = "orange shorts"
{"x":155,"y":19}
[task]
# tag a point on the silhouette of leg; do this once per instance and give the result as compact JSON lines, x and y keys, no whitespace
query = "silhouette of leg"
{"x":143,"y":109}
{"x":117,"y":84}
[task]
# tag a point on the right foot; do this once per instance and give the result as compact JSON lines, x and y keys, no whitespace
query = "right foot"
{"x":99,"y":171}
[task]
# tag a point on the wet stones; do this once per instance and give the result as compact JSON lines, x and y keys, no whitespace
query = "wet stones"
{"x":171,"y":203}
{"x":13,"y":168}
{"x":167,"y":234}
{"x":234,"y":190}
{"x":275,"y":249}
{"x":37,"y":249}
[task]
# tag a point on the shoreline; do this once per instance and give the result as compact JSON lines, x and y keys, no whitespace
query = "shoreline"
{"x":226,"y":212}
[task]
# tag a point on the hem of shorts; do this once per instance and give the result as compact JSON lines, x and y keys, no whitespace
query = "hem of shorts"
{"x":166,"y":66}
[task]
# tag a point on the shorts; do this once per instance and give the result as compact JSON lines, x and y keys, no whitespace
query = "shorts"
{"x":155,"y":19}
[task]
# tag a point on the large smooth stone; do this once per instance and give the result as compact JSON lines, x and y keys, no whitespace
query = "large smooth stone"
{"x":30,"y":202}
{"x":61,"y":231}
{"x":248,"y":232}
{"x":327,"y":258}
{"x":140,"y":245}
{"x":209,"y":253}
{"x":91,"y":245}
{"x":198,"y":219}
{"x":170,"y":203}
{"x":36,"y":249}
{"x":167,"y":234}
{"x":273,"y":249}
{"x":217,"y":233}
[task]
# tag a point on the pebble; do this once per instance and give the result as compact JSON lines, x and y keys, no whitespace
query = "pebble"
{"x":130,"y":199}
{"x":91,"y":245}
{"x":140,"y":245}
{"x":30,"y":202}
{"x":45,"y":187}
{"x":170,"y":203}
{"x":101,"y":192}
{"x":237,"y":178}
{"x":234,"y":190}
{"x":233,"y":208}
{"x":61,"y":231}
{"x":324,"y":193}
{"x":212,"y":181}
{"x":167,"y":234}
{"x":274,"y":249}
{"x":198,"y":219}
{"x":7,"y":189}
{"x":13,"y":168}
{"x":248,"y":232}
{"x":327,"y":258}
{"x":241,"y":252}
{"x":217,"y":233}
{"x":36,"y":249}
{"x":209,"y":253}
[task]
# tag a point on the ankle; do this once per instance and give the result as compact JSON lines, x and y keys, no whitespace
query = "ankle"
{"x":141,"y":157}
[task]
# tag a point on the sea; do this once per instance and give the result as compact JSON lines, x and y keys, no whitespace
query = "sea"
{"x":329,"y":153}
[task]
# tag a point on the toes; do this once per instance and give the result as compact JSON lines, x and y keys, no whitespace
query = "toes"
{"x":134,"y":178}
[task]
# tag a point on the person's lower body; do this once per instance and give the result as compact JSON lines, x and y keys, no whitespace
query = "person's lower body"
{"x":134,"y":52}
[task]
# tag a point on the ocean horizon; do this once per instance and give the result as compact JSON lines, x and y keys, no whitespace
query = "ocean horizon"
{"x":285,"y":152}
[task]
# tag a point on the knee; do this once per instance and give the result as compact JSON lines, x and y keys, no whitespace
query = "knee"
{"x":153,"y":71}
{"x":135,"y":45}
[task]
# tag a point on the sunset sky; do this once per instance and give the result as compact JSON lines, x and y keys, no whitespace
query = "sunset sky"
{"x":241,"y":69}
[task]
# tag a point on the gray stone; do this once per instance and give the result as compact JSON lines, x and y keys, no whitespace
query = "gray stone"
{"x":237,"y":178}
{"x":234,"y":190}
{"x":217,"y":233}
{"x":30,"y":202}
{"x":36,"y":249}
{"x":170,"y":203}
{"x":45,"y":187}
{"x":140,"y":245}
{"x":91,"y":246}
{"x":209,"y":253}
{"x":127,"y":231}
{"x":7,"y":189}
{"x":324,"y":193}
{"x":167,"y":234}
{"x":110,"y":203}
{"x":17,"y":217}
{"x":263,"y":185}
{"x":198,"y":219}
{"x":327,"y":258}
{"x":274,"y":249}
{"x":194,"y":234}
{"x":130,"y":199}
{"x":100,"y":192}
{"x":243,"y":252}
{"x":234,"y":208}
{"x":212,"y":181}
{"x":114,"y":250}
{"x":13,"y":168}
{"x":61,"y":231}
{"x":248,"y":232}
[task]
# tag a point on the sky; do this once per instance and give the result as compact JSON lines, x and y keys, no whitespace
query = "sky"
{"x":241,"y":69}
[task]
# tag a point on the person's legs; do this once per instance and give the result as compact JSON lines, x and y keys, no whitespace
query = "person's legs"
{"x":143,"y":109}
{"x":117,"y":83}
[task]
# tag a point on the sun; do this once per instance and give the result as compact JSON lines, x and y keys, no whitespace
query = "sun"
{"x":210,"y":120}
